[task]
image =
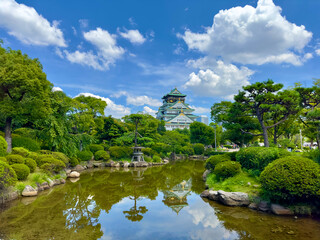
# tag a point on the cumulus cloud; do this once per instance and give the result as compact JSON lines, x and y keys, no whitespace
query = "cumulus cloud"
{"x":138,"y":100}
{"x":222,"y":80}
{"x":200,"y":110}
{"x":249,"y":35}
{"x":57,"y":89}
{"x":134,"y":36}
{"x":149,"y":111}
{"x":115,"y":110}
{"x":28,"y":26}
{"x":318,"y":52}
{"x":107,"y":50}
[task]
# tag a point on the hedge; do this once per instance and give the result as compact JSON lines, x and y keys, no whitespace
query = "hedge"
{"x":291,"y":179}
{"x":8,"y":176}
{"x":212,"y":161}
{"x":60,"y":156}
{"x":117,"y":152}
{"x":95,"y":148}
{"x":198,"y":148}
{"x":14,"y":158}
{"x":22,"y":171}
{"x":85,"y":155}
{"x":101,"y":155}
{"x":227,"y":169}
{"x":257,"y":158}
{"x":31,"y":164}
{"x":51,"y":164}
{"x":25,"y":142}
{"x":3,"y":146}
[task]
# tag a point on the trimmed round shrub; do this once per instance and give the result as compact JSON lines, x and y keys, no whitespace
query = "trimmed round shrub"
{"x":187,"y":150}
{"x":3,"y":146}
{"x":212,"y":161}
{"x":95,"y":148}
{"x":227,"y":169}
{"x":291,"y":179}
{"x":55,"y":165}
{"x":117,"y":152}
{"x":14,"y":158}
{"x":25,"y":142}
{"x":101,"y":155}
{"x":3,"y":159}
{"x":33,"y":155}
{"x":8,"y":176}
{"x":156,"y":159}
{"x":60,"y":156}
{"x":198,"y":148}
{"x":31,"y":164}
{"x":147,"y":159}
{"x":85,"y":155}
{"x":147,"y":151}
{"x":21,"y":170}
{"x":257,"y":158}
{"x":47,"y":152}
{"x":20,"y":151}
{"x":73,"y":161}
{"x":232,"y":155}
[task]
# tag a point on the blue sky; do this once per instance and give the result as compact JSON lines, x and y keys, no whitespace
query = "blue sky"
{"x":131,"y":53}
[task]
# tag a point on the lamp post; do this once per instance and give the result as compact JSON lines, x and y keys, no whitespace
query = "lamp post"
{"x":215,"y":137}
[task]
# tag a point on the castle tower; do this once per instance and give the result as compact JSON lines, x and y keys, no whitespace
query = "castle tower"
{"x":175,"y":112}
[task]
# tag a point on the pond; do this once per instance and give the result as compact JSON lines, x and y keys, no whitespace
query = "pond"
{"x":153,"y":203}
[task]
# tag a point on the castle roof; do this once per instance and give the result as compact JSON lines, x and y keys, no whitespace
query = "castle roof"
{"x":174,"y":92}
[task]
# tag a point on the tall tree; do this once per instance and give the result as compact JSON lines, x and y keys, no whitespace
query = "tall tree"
{"x":24,"y":89}
{"x":201,"y":133}
{"x":263,"y":99}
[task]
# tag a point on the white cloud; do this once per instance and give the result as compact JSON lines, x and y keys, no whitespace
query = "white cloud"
{"x":107,"y":50}
{"x":222,"y":80}
{"x":134,"y":36}
{"x":132,"y":22}
{"x":251,"y":35}
{"x":138,"y":100}
{"x":84,"y":23}
{"x":115,"y":110}
{"x":307,"y":56}
{"x":74,"y":30}
{"x":28,"y":26}
{"x":57,"y":89}
{"x":318,"y":51}
{"x":59,"y":52}
{"x":150,"y":111}
{"x":200,"y":110}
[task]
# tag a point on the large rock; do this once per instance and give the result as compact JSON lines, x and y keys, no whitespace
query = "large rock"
{"x":115,"y":164}
{"x":253,"y":206}
{"x":210,"y":194}
{"x":57,"y":181}
{"x":29,"y":191}
{"x":74,"y":174}
{"x":62,"y":181}
{"x":233,"y":198}
{"x":97,"y":165}
{"x":126,"y":164}
{"x":50,"y":182}
{"x":140,"y":164}
{"x":263,"y":206}
{"x":280,"y":210}
{"x":204,"y":194}
{"x":205,"y":174}
{"x":79,"y":168}
{"x":8,"y":195}
{"x":45,"y":186}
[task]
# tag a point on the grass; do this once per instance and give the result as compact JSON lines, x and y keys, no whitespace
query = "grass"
{"x":238,"y":183}
{"x":32,"y":180}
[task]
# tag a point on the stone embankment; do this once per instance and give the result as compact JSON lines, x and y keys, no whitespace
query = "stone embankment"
{"x":242,"y":199}
{"x":74,"y":175}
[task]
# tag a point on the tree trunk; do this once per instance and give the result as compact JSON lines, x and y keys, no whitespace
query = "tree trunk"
{"x":7,"y":131}
{"x":275,"y":135}
{"x":265,"y":136}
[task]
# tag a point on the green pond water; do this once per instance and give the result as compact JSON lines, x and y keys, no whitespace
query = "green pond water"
{"x":154,"y":203}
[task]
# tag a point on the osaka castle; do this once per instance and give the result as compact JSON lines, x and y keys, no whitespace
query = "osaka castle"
{"x":175,"y":112}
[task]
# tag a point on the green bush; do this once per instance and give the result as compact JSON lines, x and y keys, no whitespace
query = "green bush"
{"x":33,"y":155}
{"x":14,"y":158}
{"x":21,"y":170}
{"x":291,"y":179}
{"x":156,"y":159}
{"x":3,"y":159}
{"x":85,"y":155}
{"x":187,"y":150}
{"x":101,"y":155}
{"x":95,"y":148}
{"x":8,"y":176}
{"x":212,"y":161}
{"x":3,"y":146}
{"x":313,"y":154}
{"x":20,"y":151}
{"x":258,"y":158}
{"x":60,"y":156}
{"x":227,"y":169}
{"x":227,"y":146}
{"x":46,"y":152}
{"x":26,"y":142}
{"x":117,"y":152}
{"x":212,"y":152}
{"x":161,"y":148}
{"x":147,"y":159}
{"x":232,"y":155}
{"x":73,"y":161}
{"x":198,"y":148}
{"x":51,"y":164}
{"x":147,"y":151}
{"x":31,"y":164}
